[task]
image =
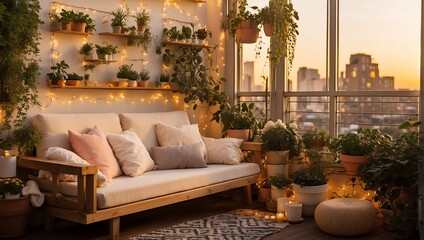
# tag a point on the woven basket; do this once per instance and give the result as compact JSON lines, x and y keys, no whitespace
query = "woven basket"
{"x":264,"y":194}
{"x":271,"y":206}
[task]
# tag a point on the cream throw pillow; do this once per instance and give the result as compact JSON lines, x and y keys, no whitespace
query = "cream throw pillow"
{"x":94,"y":148}
{"x":132,"y":156}
{"x":223,"y":150}
{"x":61,"y":154}
{"x":169,"y":135}
{"x":180,"y":156}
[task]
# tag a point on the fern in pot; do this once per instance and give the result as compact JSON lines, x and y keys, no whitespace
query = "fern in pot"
{"x":279,"y":185}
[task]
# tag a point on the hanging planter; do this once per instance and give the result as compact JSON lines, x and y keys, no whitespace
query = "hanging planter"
{"x":243,"y":23}
{"x":248,"y":32}
{"x":267,"y":29}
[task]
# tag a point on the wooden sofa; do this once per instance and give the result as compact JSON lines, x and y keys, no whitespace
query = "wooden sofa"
{"x":83,"y":206}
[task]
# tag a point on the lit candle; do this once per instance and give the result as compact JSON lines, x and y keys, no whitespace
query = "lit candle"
{"x":280,"y":204}
{"x":280,"y":216}
{"x":293,"y":211}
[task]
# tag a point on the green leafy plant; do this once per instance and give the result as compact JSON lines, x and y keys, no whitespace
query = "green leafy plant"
{"x":58,"y":72}
{"x":315,"y":138}
{"x":119,"y":17}
{"x":143,"y":39}
{"x":278,"y":136}
{"x":393,"y":172}
{"x":164,"y":77}
{"x":144,"y":75}
{"x":65,"y":16}
{"x":126,"y":71}
{"x":239,"y":116}
{"x":203,"y":33}
{"x":280,"y":181}
{"x":359,"y":143}
{"x":74,"y":76}
{"x":315,"y":174}
{"x":238,"y":14}
{"x":173,"y":33}
{"x":26,"y":138}
{"x":86,"y":48}
{"x":142,"y":18}
{"x":186,"y":31}
{"x":80,"y":17}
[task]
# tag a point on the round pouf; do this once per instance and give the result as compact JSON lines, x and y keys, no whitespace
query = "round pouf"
{"x":345,"y":216}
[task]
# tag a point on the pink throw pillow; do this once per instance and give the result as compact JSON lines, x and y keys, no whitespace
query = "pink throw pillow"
{"x":94,"y":148}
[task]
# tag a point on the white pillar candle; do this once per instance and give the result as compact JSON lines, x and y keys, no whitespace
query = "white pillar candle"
{"x":280,"y":204}
{"x":294,"y":211}
{"x":280,"y":216}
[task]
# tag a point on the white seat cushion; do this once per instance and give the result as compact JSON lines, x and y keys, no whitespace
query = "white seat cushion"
{"x":124,"y":189}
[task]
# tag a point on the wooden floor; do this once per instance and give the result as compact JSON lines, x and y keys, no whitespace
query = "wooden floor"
{"x":166,"y":216}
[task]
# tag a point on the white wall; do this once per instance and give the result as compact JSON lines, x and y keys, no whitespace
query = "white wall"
{"x":84,"y":100}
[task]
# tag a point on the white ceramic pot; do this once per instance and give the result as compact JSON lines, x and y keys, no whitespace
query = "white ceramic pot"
{"x":310,"y":197}
{"x":277,"y":157}
{"x":277,"y":169}
{"x":7,"y":167}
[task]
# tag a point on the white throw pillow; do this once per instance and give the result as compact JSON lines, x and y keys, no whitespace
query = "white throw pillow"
{"x":180,"y":156}
{"x":169,"y":135}
{"x":61,"y":154}
{"x":223,"y":150}
{"x":132,"y":155}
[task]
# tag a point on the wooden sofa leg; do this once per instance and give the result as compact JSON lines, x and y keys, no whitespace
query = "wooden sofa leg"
{"x":114,"y":228}
{"x":48,"y":223}
{"x":248,"y":194}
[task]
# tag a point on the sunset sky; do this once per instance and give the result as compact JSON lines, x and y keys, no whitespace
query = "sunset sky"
{"x":388,"y":30}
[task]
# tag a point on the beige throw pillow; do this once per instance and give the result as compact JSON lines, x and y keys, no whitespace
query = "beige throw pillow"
{"x":61,"y":154}
{"x":169,"y":135}
{"x":133,"y":158}
{"x":180,"y":156}
{"x":223,"y":150}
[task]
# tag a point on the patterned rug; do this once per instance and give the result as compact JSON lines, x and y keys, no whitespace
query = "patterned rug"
{"x":235,"y":225}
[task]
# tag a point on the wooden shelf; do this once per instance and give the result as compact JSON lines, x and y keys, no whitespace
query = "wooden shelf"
{"x":112,"y":88}
{"x":188,"y":44}
{"x":99,"y":61}
{"x":72,"y":32}
{"x":113,"y":34}
{"x":199,"y":1}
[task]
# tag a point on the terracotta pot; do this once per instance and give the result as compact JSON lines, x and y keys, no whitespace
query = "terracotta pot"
{"x":352,"y":163}
{"x":247,"y":33}
{"x":142,"y":83}
{"x":78,"y":26}
{"x":277,"y":157}
{"x":61,"y":83}
{"x":141,"y":28}
{"x":14,"y":217}
{"x":239,"y":133}
{"x":66,"y":26}
{"x":73,"y":83}
{"x":310,"y":197}
{"x":268,"y":29}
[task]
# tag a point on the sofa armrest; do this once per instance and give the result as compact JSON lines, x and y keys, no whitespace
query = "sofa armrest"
{"x":256,"y":148}
{"x":87,"y":182}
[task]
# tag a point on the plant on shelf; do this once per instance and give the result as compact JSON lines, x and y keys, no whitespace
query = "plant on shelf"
{"x":58,"y":72}
{"x":237,"y":117}
{"x":281,"y":18}
{"x":315,"y":138}
{"x":164,"y":78}
{"x":135,"y":39}
{"x":90,"y":27}
{"x":393,"y":172}
{"x":119,"y":19}
{"x":65,"y":19}
{"x":355,"y":147}
{"x":242,"y":23}
{"x":87,"y":50}
{"x":79,"y":21}
{"x":142,"y":19}
{"x":186,"y":31}
{"x":144,"y":75}
{"x":279,"y":136}
{"x":165,"y":35}
{"x":173,"y":33}
{"x":74,"y":76}
{"x":126,"y":72}
{"x":203,"y":34}
{"x":88,"y":67}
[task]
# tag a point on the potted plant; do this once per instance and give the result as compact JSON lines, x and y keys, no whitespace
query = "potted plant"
{"x":119,"y":20}
{"x":65,"y":19}
{"x":58,"y":74}
{"x":242,"y":23}
{"x":127,"y":73}
{"x":280,"y":19}
{"x":142,"y":19}
{"x":79,"y":21}
{"x":144,"y":39}
{"x":144,"y":76}
{"x":202,"y":34}
{"x":186,"y":32}
{"x":74,"y":79}
{"x":164,"y":79}
{"x":87,"y":50}
{"x":90,"y":26}
{"x":111,"y":51}
{"x":165,"y":35}
{"x":355,"y":147}
{"x":310,"y":184}
{"x":315,"y":138}
{"x":279,"y":185}
{"x":392,"y":171}
{"x":237,"y":121}
{"x":173,"y":33}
